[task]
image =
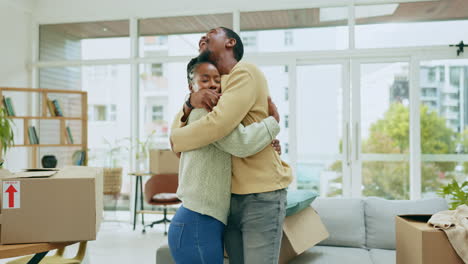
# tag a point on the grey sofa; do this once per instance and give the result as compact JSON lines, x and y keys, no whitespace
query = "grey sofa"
{"x":362,"y":231}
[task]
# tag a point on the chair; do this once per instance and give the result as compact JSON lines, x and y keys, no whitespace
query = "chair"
{"x":57,"y":258}
{"x":161,"y":189}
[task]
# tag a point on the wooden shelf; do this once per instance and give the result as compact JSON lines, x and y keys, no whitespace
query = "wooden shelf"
{"x":49,"y":145}
{"x":47,"y":117}
{"x":43,"y":114}
{"x":37,"y":90}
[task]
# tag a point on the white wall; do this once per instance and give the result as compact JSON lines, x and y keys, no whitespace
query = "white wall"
{"x":15,"y":54}
{"x":15,"y":45}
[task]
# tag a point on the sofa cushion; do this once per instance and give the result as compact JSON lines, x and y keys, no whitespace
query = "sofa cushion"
{"x":380,"y":217}
{"x":383,"y":256}
{"x":163,"y":255}
{"x":344,"y":220}
{"x":332,"y":255}
{"x":299,"y":200}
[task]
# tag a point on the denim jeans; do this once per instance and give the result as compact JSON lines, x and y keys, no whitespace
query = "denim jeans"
{"x":255,"y":227}
{"x":195,"y":238}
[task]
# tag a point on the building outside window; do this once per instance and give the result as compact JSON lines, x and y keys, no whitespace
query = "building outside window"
{"x":113,"y":113}
{"x":157,"y":69}
{"x":157,"y":113}
{"x":100,"y":112}
{"x":288,"y":38}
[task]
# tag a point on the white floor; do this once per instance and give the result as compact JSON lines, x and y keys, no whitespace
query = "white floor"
{"x":117,"y":243}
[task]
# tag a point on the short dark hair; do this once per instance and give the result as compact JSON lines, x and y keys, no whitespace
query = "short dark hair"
{"x":239,"y":47}
{"x":193,"y":65}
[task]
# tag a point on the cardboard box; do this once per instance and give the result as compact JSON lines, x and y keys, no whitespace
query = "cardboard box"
{"x":419,"y":243}
{"x":51,"y":207}
{"x":301,"y":232}
{"x":163,"y":161}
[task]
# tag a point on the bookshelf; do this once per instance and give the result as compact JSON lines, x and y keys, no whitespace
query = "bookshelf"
{"x":78,"y":115}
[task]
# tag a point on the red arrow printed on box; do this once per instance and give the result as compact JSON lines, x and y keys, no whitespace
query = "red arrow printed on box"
{"x":11,"y":196}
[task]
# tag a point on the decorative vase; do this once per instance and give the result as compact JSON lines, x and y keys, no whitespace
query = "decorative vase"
{"x":49,"y":161}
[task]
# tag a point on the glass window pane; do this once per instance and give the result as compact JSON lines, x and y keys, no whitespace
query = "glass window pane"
{"x":295,"y":30}
{"x":177,"y":36}
{"x":278,"y":79}
{"x":411,"y":24}
{"x":84,"y":41}
{"x":161,"y":98}
{"x":389,"y":180}
{"x":319,"y":128}
{"x":444,"y":133}
{"x":108,"y":88}
{"x":385,"y":129}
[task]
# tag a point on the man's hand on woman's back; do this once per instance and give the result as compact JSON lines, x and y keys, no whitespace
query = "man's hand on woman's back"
{"x":273,"y":110}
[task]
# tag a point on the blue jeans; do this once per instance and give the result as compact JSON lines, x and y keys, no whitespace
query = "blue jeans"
{"x":195,"y":238}
{"x":255,"y":227}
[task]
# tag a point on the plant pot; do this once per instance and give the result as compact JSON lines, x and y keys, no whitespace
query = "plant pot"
{"x":49,"y":161}
{"x":112,"y":180}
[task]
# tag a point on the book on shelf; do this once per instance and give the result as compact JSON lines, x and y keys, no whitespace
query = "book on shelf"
{"x":8,"y":104}
{"x":69,"y":135}
{"x":33,"y":138}
{"x":78,"y":157}
{"x":5,"y":105}
{"x":51,"y":107}
{"x":58,"y":109}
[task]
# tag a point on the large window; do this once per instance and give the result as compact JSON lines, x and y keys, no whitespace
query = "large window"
{"x":319,"y":128}
{"x":385,"y":129}
{"x":346,"y":113}
{"x":444,"y":131}
{"x":161,"y":98}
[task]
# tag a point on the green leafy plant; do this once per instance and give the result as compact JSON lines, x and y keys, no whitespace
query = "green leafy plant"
{"x":6,"y":132}
{"x":456,"y":193}
{"x":114,"y":153}
{"x":142,"y":147}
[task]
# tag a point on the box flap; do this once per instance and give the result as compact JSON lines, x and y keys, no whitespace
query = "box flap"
{"x":419,"y":222}
{"x":304,"y":230}
{"x":33,"y":174}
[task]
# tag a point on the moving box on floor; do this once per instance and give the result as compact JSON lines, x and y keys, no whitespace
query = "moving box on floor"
{"x":419,"y":243}
{"x":301,"y":232}
{"x":60,"y":206}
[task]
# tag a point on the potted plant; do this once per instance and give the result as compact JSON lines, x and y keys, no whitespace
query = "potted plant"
{"x":457,"y":194}
{"x":6,"y":133}
{"x":142,"y":148}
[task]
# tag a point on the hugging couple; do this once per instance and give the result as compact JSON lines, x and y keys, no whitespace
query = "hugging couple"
{"x":232,"y":181}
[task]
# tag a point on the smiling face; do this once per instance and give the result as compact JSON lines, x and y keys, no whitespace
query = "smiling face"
{"x":214,"y":43}
{"x":206,"y":76}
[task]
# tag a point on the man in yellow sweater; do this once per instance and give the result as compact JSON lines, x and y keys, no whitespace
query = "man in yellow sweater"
{"x":259,"y":182}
